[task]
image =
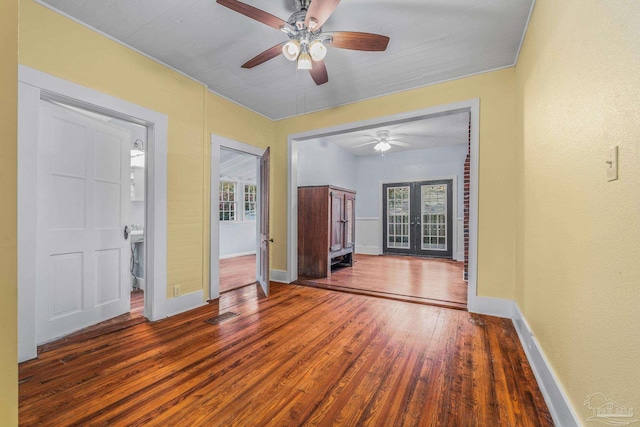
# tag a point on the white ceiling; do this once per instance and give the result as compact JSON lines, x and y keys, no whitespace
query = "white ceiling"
{"x":235,"y":166}
{"x":437,"y":131}
{"x":431,"y":41}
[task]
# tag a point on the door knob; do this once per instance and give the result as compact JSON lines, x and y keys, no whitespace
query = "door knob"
{"x":126,"y":232}
{"x":271,"y":240}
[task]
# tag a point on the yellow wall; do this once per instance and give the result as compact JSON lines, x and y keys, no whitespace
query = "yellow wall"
{"x":578,"y":94}
{"x":496,"y":90}
{"x":8,"y":212}
{"x":56,"y":45}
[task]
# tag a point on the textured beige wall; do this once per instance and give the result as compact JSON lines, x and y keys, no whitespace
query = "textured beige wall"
{"x":497,"y":211}
{"x":8,"y":212}
{"x":578,"y":277}
{"x":56,"y":45}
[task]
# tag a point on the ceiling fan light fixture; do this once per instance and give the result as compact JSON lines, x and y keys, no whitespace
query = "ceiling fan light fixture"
{"x":317,"y":50}
{"x":382,"y":146}
{"x":304,"y":61}
{"x":291,"y":50}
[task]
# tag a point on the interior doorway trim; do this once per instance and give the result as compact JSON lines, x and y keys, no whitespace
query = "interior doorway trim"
{"x":217,"y":143}
{"x":474,"y":302}
{"x":33,"y":86}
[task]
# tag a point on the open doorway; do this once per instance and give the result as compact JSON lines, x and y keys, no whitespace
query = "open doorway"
{"x":239,"y":216}
{"x":418,"y":256}
{"x":74,"y":204}
{"x":90,"y":220}
{"x":237,"y":213}
{"x":137,"y":186}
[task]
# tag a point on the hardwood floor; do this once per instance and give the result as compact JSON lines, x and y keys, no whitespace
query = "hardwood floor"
{"x":237,"y":272}
{"x":303,"y":356}
{"x":137,"y":302}
{"x":422,"y":280}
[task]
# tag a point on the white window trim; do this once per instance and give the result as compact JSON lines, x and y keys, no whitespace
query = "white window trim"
{"x":235,"y":201}
{"x":239,"y":201}
{"x":255,"y":202}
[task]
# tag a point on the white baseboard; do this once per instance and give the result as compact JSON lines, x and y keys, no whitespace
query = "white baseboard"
{"x":237,"y":255}
{"x":553,"y":392}
{"x":184,"y":303}
{"x":368,"y":250}
{"x":279,"y":276}
{"x":491,"y":306}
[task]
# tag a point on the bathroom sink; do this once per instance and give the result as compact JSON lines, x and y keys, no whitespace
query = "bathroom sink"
{"x":136,"y":236}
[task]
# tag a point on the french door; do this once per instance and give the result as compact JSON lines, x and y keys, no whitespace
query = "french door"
{"x":417,"y":218}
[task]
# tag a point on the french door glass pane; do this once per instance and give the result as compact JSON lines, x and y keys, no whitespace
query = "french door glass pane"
{"x":434,"y":217}
{"x":398,"y":217}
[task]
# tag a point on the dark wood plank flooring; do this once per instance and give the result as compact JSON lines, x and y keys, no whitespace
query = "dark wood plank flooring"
{"x":237,"y":272}
{"x":303,"y":356}
{"x":421,"y":280}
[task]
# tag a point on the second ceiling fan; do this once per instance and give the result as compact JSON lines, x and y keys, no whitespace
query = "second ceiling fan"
{"x":306,"y":44}
{"x":384,"y":141}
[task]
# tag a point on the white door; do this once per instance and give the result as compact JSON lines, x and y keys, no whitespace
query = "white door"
{"x":83,"y":206}
{"x":263,"y":260}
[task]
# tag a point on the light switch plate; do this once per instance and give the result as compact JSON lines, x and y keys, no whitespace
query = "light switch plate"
{"x":612,"y":164}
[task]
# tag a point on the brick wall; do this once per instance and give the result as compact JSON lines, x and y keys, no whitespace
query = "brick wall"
{"x":467,"y":181}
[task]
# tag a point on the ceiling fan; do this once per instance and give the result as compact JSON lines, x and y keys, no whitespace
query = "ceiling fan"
{"x":384,"y":141}
{"x":306,"y":43}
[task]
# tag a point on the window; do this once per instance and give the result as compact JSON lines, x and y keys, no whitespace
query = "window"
{"x":231,"y":196}
{"x":434,"y":217}
{"x":227,"y":195}
{"x":398,"y":201}
{"x":250,"y":198}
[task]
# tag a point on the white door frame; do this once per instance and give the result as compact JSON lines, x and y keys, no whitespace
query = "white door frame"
{"x":474,"y":303}
{"x":33,"y":86}
{"x":218,"y":142}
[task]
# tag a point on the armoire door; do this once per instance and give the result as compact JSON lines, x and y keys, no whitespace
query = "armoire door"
{"x":349,"y":220}
{"x":337,"y":220}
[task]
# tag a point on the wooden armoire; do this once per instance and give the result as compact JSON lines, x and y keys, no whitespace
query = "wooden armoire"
{"x":326,"y":229}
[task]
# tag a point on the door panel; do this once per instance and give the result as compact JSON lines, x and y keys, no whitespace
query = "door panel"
{"x":337,"y":232}
{"x":350,"y":220}
{"x":397,"y":217}
{"x":264,"y":220}
{"x":81,"y":254}
{"x":108,"y":276}
{"x":67,"y":282}
{"x":417,"y":218}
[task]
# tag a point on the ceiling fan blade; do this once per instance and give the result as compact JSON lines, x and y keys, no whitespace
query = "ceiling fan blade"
{"x":366,"y":143}
{"x":318,"y":72}
{"x":320,"y":10}
{"x":359,"y":41}
{"x":264,"y":56}
{"x":253,"y":13}
{"x":398,"y":143}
